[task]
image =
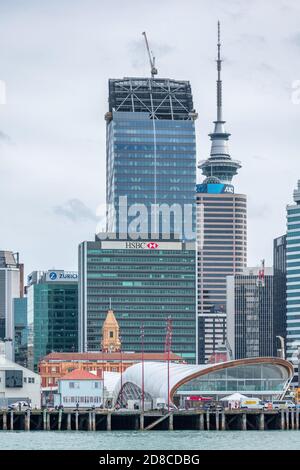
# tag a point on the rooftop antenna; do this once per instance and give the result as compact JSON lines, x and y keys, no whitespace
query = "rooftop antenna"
{"x":110,"y":303}
{"x":219,"y":82}
{"x":151,"y":57}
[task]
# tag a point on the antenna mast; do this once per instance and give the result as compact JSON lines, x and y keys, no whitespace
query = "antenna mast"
{"x":151,"y":57}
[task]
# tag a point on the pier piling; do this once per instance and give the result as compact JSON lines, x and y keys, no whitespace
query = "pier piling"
{"x":287,"y":419}
{"x":76,"y":421}
{"x":45,"y":420}
{"x":207,"y":421}
{"x":297,"y":419}
{"x":292,"y":419}
{"x":59,"y":419}
{"x":171,"y":422}
{"x":223,"y":421}
{"x":261,"y":422}
{"x":27,"y":421}
{"x":142,"y":421}
{"x":4,"y":422}
{"x":69,"y":421}
{"x":108,"y":422}
{"x":201,"y":422}
{"x":244,"y":422}
{"x":217,"y":421}
{"x":12,"y":420}
{"x":282,"y":420}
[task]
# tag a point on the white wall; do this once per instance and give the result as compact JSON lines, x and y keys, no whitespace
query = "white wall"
{"x":85,"y":393}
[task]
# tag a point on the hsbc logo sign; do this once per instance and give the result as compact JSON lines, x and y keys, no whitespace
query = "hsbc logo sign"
{"x":142,"y":245}
{"x":152,"y":245}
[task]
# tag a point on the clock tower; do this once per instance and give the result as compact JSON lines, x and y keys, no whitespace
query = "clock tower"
{"x":110,"y":334}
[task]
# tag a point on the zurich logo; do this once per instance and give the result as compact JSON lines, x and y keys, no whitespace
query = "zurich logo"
{"x":53,"y":276}
{"x":152,"y":245}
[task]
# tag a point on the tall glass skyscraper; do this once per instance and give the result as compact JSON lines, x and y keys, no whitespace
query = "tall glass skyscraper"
{"x":151,"y":150}
{"x":151,"y":161}
{"x":221,"y":234}
{"x":293,"y":280}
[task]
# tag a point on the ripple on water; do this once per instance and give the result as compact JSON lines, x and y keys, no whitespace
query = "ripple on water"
{"x":135,"y":440}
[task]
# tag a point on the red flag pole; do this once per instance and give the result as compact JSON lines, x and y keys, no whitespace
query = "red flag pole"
{"x":143,"y":368}
{"x":168,"y":351}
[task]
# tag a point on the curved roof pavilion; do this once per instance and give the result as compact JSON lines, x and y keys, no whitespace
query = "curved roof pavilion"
{"x":261,"y":377}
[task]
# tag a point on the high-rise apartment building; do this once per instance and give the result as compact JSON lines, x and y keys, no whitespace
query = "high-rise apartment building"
{"x":279,"y":303}
{"x":250,"y":330}
{"x":11,"y":287}
{"x":221,"y":234}
{"x":145,"y":283}
{"x":293,"y":280}
{"x":52,"y":313}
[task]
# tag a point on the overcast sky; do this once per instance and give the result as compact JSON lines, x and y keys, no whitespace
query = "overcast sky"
{"x":56,"y":57}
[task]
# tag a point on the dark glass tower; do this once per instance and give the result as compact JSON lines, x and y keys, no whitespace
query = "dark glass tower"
{"x":151,"y":150}
{"x":279,"y":304}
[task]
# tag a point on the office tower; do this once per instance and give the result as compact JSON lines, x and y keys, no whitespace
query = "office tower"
{"x":52,"y":313}
{"x":293,"y":280}
{"x":250,"y":313}
{"x":151,"y":152}
{"x":279,"y":303}
{"x":11,"y":287}
{"x":221,"y":233}
{"x":21,"y":331}
{"x":145,"y":282}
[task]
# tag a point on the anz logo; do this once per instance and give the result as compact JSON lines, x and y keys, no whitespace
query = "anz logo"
{"x":229,"y":189}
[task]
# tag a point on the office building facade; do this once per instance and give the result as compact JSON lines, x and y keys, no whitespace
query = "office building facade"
{"x":11,"y":287}
{"x":293,"y":280}
{"x":52,"y":312}
{"x":21,"y":331}
{"x":279,"y":302}
{"x":151,"y":155}
{"x":221,"y":234}
{"x":250,"y":330}
{"x":145,"y":283}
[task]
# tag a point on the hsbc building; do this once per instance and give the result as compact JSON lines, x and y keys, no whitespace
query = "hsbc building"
{"x":147,"y":281}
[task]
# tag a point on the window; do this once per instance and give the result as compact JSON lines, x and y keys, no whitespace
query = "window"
{"x":74,"y":385}
{"x":111,"y":334}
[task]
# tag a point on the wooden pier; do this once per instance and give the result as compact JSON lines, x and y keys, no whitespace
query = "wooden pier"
{"x":103,"y":420}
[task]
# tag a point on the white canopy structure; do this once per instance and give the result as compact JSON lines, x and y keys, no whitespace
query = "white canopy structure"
{"x":235,"y":397}
{"x":259,"y":377}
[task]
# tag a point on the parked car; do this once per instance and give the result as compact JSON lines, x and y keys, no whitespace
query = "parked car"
{"x":19,"y":405}
{"x":283,"y":405}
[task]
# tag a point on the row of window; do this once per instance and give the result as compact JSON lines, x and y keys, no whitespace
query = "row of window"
{"x":84,"y":399}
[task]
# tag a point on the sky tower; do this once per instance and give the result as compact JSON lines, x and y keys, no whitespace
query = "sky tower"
{"x":221,"y":235}
{"x":219,"y":165}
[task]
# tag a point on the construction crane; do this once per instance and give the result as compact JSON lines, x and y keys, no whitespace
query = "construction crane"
{"x":151,"y":57}
{"x":261,"y":275}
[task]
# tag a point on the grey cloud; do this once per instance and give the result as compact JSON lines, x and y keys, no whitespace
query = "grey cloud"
{"x":75,"y":210}
{"x":259,"y":211}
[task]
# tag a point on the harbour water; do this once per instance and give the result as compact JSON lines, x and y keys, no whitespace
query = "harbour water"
{"x":156,"y":440}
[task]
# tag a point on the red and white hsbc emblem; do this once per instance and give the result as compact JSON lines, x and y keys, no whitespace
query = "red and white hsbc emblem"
{"x":152,"y":245}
